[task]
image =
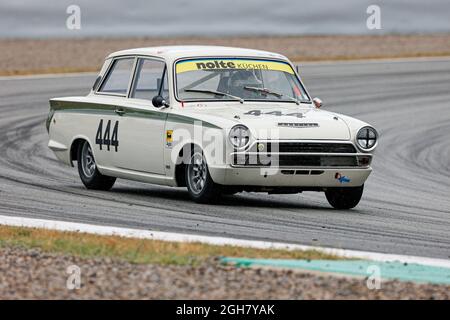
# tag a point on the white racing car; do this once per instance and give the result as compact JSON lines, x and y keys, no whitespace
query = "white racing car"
{"x":214,"y":119}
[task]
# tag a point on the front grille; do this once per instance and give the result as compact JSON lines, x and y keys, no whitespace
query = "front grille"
{"x":294,"y":160}
{"x":314,"y":161}
{"x":314,"y":147}
{"x":306,"y":147}
{"x":287,"y":154}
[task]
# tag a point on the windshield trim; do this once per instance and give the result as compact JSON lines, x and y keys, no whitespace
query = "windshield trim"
{"x":174,"y":79}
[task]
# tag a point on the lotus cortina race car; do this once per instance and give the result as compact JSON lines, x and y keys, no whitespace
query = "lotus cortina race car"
{"x":216,"y":120}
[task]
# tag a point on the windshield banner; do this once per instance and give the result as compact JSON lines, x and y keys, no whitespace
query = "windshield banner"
{"x":232,"y":64}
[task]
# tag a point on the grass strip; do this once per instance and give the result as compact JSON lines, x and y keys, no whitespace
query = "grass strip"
{"x":139,"y":251}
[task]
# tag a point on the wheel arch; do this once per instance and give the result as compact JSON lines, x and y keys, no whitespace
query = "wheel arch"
{"x":180,"y":165}
{"x":73,"y":156}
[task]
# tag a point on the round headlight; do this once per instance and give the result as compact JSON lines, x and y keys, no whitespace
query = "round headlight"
{"x":367,"y":138}
{"x":239,"y":136}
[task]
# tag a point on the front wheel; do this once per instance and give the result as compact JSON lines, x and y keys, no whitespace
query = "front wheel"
{"x":344,"y":198}
{"x":200,"y":185}
{"x":87,"y":169}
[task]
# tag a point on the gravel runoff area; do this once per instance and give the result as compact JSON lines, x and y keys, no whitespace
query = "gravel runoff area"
{"x":33,"y":274}
{"x":25,"y":56}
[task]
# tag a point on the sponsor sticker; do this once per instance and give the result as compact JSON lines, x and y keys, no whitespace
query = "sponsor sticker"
{"x":169,"y":138}
{"x":232,"y":64}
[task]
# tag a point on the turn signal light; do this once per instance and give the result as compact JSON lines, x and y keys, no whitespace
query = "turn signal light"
{"x":364,"y":161}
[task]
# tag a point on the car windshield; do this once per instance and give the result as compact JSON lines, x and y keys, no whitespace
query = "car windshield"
{"x":238,"y":79}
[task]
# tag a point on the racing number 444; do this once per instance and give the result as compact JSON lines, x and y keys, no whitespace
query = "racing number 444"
{"x":107,"y":138}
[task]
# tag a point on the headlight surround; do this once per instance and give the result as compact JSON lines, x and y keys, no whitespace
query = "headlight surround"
{"x":367,"y":138}
{"x":239,"y":136}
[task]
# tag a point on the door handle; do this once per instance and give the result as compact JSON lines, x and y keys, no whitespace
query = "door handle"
{"x":119,"y":111}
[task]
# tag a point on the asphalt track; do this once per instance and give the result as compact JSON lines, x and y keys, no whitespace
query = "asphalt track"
{"x":405,"y":208}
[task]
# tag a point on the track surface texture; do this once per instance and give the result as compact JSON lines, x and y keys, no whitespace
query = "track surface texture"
{"x":405,"y":208}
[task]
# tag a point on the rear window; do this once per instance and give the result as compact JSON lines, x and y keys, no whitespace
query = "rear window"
{"x":118,"y":78}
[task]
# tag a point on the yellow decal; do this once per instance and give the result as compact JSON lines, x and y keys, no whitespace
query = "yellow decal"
{"x":233,"y":64}
{"x":169,"y":136}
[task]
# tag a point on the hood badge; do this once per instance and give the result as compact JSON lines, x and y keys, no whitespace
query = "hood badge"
{"x":298,"y":125}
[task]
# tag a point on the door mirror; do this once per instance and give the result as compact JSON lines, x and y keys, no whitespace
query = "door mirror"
{"x":318,"y":103}
{"x":159,"y":102}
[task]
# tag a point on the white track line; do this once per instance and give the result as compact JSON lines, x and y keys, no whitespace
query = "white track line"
{"x":178,"y":237}
{"x":373,"y":61}
{"x":49,"y":76}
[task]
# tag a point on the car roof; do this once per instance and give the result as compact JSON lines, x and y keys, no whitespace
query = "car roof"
{"x":177,"y":52}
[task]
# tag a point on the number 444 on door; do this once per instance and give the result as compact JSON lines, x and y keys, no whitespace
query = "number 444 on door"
{"x":107,"y":138}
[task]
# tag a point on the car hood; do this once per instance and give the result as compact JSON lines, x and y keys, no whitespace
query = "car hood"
{"x":276,"y":121}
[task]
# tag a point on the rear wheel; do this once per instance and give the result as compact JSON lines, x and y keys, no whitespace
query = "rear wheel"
{"x":200,"y":185}
{"x":87,"y":169}
{"x":344,"y":198}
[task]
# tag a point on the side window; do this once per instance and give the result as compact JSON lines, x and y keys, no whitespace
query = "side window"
{"x":118,"y":77}
{"x":151,"y":77}
{"x":165,"y":87}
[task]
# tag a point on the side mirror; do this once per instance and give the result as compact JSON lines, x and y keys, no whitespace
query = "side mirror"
{"x":159,"y":102}
{"x":318,"y":103}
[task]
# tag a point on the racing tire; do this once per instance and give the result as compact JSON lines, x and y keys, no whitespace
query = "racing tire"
{"x":201,"y":187}
{"x":344,"y":198}
{"x":87,"y":169}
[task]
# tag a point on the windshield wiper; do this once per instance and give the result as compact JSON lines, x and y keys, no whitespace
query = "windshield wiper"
{"x":274,"y":93}
{"x":215,"y":92}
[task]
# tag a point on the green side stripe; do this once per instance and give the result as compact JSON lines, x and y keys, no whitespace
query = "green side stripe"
{"x":96,"y":108}
{"x":88,"y":111}
{"x":188,"y":120}
{"x":103,"y":109}
{"x":388,"y":270}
